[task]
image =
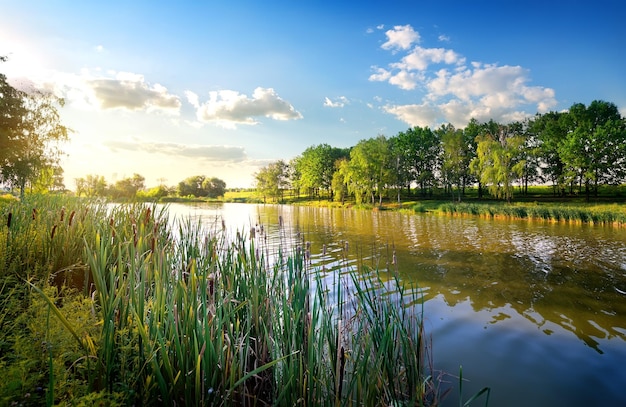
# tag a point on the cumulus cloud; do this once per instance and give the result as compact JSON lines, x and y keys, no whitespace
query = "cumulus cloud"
{"x":216,"y":153}
{"x":341,"y":101}
{"x":131,"y":91}
{"x":113,"y":90}
{"x":400,"y":37}
{"x":453,"y":90}
{"x":192,"y":98}
{"x":229,"y":108}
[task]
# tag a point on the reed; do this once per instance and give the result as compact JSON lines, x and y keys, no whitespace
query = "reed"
{"x":589,"y":214}
{"x":173,"y":313}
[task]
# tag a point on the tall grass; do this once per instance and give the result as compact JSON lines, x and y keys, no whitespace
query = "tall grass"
{"x":591,"y":214}
{"x":172,"y":313}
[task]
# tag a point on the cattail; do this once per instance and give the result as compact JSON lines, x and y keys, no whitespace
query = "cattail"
{"x":324,"y":249}
{"x":147,"y":218}
{"x":9,"y":218}
{"x":54,"y":229}
{"x":69,"y":222}
{"x":223,"y":224}
{"x":135,"y":234}
{"x":111,"y":222}
{"x":252,"y":233}
{"x":34,"y":213}
{"x":280,"y":221}
{"x":62,"y":213}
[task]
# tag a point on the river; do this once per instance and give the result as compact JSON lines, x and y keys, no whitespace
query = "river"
{"x":534,"y":310}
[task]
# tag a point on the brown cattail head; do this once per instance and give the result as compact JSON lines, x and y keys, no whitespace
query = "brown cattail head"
{"x":9,"y":218}
{"x":34,"y":213}
{"x":69,"y":222}
{"x":54,"y":230}
{"x":147,"y":218}
{"x":62,"y":213}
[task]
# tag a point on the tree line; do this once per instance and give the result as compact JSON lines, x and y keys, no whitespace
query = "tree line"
{"x":198,"y":186}
{"x":575,"y":151}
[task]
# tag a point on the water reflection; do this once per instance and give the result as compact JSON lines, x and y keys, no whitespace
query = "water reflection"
{"x":498,"y":294}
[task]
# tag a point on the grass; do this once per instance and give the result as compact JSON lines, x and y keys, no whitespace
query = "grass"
{"x":539,"y":203}
{"x":600,"y":214}
{"x":134,"y":309}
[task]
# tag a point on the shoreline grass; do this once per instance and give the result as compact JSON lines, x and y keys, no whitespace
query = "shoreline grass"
{"x":133,"y":309}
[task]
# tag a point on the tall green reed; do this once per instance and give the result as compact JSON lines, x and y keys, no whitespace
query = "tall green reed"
{"x":187,"y":315}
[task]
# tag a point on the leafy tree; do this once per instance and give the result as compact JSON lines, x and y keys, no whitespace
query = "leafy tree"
{"x":550,"y":130}
{"x":192,"y":186}
{"x":202,"y":186}
{"x":30,"y":129}
{"x":593,"y":150}
{"x":294,"y":175}
{"x":272,"y":180}
{"x":419,"y":149}
{"x":12,"y":112}
{"x":214,"y":187}
{"x":455,"y":158}
{"x":128,"y":187}
{"x":370,"y":169}
{"x":316,"y":167}
{"x":500,"y":160}
{"x":339,"y":182}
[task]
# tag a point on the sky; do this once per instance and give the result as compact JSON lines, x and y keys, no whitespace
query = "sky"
{"x":170,"y":90}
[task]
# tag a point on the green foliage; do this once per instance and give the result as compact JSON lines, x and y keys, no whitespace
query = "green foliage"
{"x":272,"y":180}
{"x":202,"y":186}
{"x":177,"y":314}
{"x":500,"y":159}
{"x":46,"y":359}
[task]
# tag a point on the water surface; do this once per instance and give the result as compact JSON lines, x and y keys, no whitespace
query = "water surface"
{"x":534,"y":310}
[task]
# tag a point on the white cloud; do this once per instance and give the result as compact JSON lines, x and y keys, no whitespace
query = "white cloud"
{"x":400,"y":37}
{"x":219,"y":153}
{"x":415,"y":115}
{"x":229,"y":108}
{"x":443,"y":38}
{"x":192,"y":98}
{"x":99,"y":48}
{"x":420,"y":58}
{"x":341,"y":101}
{"x":130,"y":91}
{"x":458,"y":91}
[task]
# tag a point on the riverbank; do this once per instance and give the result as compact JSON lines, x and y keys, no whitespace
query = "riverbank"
{"x":540,"y":205}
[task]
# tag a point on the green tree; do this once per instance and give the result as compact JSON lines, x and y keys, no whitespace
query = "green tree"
{"x":593,"y":150}
{"x":418,"y":149}
{"x":127,"y":188}
{"x":30,"y":130}
{"x":455,"y":158}
{"x":272,"y":180}
{"x":192,"y":186}
{"x":95,"y":185}
{"x":339,"y":182}
{"x":370,"y":169}
{"x":214,"y":187}
{"x":500,"y":159}
{"x":550,"y":129}
{"x":316,"y":167}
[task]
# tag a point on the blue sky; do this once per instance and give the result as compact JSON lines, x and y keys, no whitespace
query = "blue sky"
{"x":174,"y":89}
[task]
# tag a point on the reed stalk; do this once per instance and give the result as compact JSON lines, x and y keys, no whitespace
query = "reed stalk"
{"x":187,"y":315}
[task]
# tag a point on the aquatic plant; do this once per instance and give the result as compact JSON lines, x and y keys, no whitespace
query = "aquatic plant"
{"x":169,"y":312}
